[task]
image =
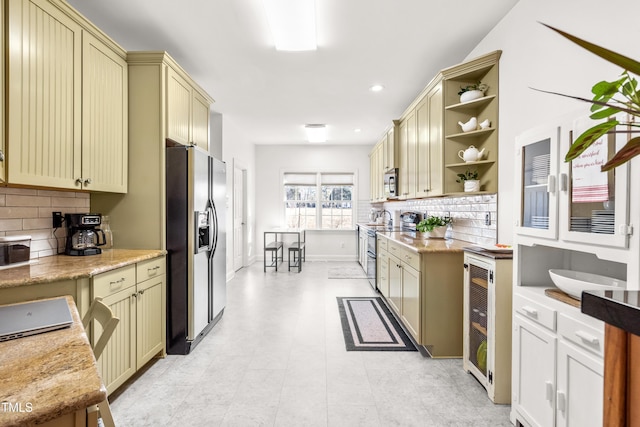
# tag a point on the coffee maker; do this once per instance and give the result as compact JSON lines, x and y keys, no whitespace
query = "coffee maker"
{"x":83,"y":234}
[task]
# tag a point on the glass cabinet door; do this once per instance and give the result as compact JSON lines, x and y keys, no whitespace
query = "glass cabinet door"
{"x":537,"y":154}
{"x":596,"y":201}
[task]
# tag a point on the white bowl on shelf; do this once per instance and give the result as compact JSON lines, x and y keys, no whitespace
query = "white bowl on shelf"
{"x":574,"y":282}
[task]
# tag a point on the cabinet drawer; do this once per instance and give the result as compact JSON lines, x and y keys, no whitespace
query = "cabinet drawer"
{"x":535,"y":311}
{"x":109,"y":283}
{"x":382,"y":244}
{"x":150,"y":268}
{"x":405,"y":255}
{"x":581,"y":334}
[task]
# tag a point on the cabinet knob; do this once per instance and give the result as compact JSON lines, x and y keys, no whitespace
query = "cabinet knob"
{"x":134,"y":295}
{"x":87,"y":181}
{"x":141,"y":292}
{"x":78,"y":181}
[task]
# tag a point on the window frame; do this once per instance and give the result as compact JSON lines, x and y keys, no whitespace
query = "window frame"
{"x":319,"y":197}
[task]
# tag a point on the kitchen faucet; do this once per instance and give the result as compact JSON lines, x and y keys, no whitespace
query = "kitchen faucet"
{"x":390,"y":217}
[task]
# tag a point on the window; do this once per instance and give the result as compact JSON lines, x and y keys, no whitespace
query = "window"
{"x":319,"y":200}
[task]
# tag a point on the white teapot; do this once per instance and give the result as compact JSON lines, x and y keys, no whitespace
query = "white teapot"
{"x":471,"y":154}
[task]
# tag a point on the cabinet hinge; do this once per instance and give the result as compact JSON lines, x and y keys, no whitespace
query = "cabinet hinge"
{"x":490,"y":276}
{"x":490,"y":377}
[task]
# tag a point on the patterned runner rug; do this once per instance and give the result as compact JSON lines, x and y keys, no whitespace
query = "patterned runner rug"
{"x":368,"y":325}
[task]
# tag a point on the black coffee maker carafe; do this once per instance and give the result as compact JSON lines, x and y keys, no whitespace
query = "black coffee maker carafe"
{"x":83,"y":234}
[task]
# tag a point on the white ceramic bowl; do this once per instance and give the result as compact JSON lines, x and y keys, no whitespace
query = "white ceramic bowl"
{"x":574,"y":282}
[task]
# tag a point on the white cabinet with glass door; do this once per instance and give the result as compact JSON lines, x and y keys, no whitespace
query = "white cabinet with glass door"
{"x":575,"y":201}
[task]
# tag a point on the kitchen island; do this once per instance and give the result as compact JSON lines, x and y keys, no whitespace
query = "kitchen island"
{"x":620,"y":310}
{"x":131,"y":282}
{"x":49,"y":378}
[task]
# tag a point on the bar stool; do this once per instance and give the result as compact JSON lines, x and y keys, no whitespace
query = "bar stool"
{"x":274,"y":248}
{"x":298,"y":252}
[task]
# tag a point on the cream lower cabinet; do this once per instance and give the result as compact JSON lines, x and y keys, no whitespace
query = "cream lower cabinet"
{"x":66,"y":100}
{"x":425,"y":292}
{"x":557,"y":365}
{"x":137,"y":298}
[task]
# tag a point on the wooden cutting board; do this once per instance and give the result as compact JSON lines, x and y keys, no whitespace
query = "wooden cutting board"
{"x":561,"y":296}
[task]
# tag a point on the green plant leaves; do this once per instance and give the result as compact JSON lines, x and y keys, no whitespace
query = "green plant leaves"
{"x":609,"y":55}
{"x":588,"y":137}
{"x":626,"y":153}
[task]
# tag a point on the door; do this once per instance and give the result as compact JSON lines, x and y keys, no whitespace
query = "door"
{"x":411,"y":300}
{"x":580,"y":388}
{"x":44,"y":141}
{"x":150,"y":309}
{"x":104,"y":117}
{"x":533,"y":373}
{"x":218,"y":256}
{"x":238,"y":217}
{"x":198,"y":288}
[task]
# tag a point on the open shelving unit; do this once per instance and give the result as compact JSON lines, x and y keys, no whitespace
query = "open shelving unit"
{"x":484,"y":69}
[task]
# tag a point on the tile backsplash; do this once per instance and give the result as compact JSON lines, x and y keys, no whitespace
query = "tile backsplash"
{"x":28,"y":212}
{"x":468,"y":213}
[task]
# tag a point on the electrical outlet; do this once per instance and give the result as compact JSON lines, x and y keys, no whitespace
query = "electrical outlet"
{"x":57,"y":219}
{"x":487,"y":218}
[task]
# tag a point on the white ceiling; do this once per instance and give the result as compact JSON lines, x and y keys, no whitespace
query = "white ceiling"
{"x":226,"y":47}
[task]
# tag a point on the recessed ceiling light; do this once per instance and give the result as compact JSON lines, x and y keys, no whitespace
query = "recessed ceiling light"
{"x":316,"y":133}
{"x":293,"y":24}
{"x":376,"y":88}
{"x":357,"y":130}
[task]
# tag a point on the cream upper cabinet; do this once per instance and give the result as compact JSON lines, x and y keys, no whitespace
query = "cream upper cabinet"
{"x":67,"y":101}
{"x":429,"y":144}
{"x":187,"y":112}
{"x":407,"y":152}
{"x":44,"y":123}
{"x":104,"y":117}
{"x":2,"y":96}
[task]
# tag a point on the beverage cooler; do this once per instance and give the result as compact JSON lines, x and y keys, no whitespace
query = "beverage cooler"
{"x":487,"y":320}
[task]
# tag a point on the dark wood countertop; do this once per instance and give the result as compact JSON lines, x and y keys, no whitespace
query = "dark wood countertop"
{"x":49,"y":375}
{"x":617,"y":308}
{"x":64,"y":267}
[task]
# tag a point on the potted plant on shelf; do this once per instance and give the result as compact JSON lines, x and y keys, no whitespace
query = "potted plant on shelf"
{"x":470,"y":180}
{"x":434,"y":227}
{"x":472,"y":91}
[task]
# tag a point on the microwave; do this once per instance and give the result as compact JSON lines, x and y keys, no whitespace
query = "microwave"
{"x":391,"y":183}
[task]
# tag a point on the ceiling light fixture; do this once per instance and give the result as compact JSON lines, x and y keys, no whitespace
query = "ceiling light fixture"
{"x":376,"y":88}
{"x":316,"y":133}
{"x":293,"y":24}
{"x":357,"y":130}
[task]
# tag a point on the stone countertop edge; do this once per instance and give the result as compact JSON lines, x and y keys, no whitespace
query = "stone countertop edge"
{"x":422,"y":246}
{"x":617,"y":308}
{"x":55,"y":372}
{"x":63,"y":267}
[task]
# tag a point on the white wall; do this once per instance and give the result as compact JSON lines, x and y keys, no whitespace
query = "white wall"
{"x":534,"y":56}
{"x":237,"y":149}
{"x":273,"y":160}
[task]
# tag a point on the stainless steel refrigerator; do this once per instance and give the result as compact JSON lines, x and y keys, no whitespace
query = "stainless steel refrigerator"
{"x":196,"y":245}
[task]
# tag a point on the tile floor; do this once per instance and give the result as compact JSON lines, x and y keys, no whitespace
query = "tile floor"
{"x":277,"y":358}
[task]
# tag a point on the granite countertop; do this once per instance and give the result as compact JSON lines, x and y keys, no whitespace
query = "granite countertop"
{"x":48,"y":375}
{"x":416,"y":243}
{"x":617,"y":308}
{"x":64,"y":267}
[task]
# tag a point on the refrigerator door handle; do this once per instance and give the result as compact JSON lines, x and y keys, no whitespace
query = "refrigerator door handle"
{"x":211,"y":230}
{"x":214,"y":225}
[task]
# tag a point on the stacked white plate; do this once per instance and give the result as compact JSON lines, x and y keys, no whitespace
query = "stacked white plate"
{"x":540,"y":222}
{"x":603,"y":221}
{"x":581,"y":223}
{"x":540,"y":171}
